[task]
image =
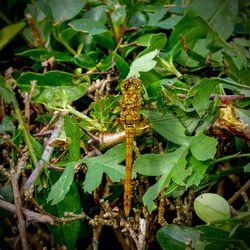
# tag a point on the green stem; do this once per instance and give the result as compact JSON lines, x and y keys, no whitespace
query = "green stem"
{"x":84,"y":117}
{"x":26,"y":133}
{"x":112,"y":27}
{"x":5,"y":18}
{"x":226,"y":158}
{"x":59,"y":39}
{"x":234,"y":83}
{"x":170,"y":67}
{"x":239,"y":217}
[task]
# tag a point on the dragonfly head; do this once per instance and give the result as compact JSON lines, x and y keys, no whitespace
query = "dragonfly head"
{"x":131,"y":85}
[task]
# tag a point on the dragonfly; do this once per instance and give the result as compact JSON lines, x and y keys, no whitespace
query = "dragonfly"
{"x":174,"y":123}
{"x":130,"y":117}
{"x":133,"y":125}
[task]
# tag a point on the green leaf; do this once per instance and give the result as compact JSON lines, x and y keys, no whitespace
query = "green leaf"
{"x":179,"y":173}
{"x":59,"y":97}
{"x":105,"y":63}
{"x":97,"y":13}
{"x":211,"y":234}
{"x":105,"y":39}
{"x":7,"y":125}
{"x":143,"y":64}
{"x":214,"y":238}
{"x":39,"y":10}
{"x":169,"y":23}
{"x":211,"y":207}
{"x":37,"y":146}
{"x":156,"y":42}
{"x":63,"y":10}
{"x":107,"y":163}
{"x":241,"y":234}
{"x":220,"y":14}
{"x":103,"y":110}
{"x":6,"y":93}
{"x":236,"y":63}
{"x":97,"y":29}
{"x":175,"y":237}
{"x":154,"y":164}
{"x":6,"y":193}
{"x":200,"y":39}
{"x":42,"y":55}
{"x":154,"y":18}
{"x":202,"y":92}
{"x":170,"y":127}
{"x":118,"y":14}
{"x":62,"y":186}
{"x":121,"y":65}
{"x":167,"y":169}
{"x":137,"y":19}
{"x":157,"y":164}
{"x":74,"y":134}
{"x":54,"y":89}
{"x":84,"y":61}
{"x":153,"y":192}
{"x":203,"y":147}
{"x":68,"y":233}
{"x":247,"y":168}
{"x":199,"y":169}
{"x":49,"y":79}
{"x":87,"y":25}
{"x":7,"y":33}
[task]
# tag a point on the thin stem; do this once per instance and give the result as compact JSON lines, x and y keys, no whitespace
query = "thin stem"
{"x":237,"y":194}
{"x":170,"y":67}
{"x":5,"y":18}
{"x":234,"y":83}
{"x":226,"y":158}
{"x":59,"y":39}
{"x":29,"y":215}
{"x":82,"y":116}
{"x":18,"y":204}
{"x":45,"y":158}
{"x":112,"y":27}
{"x":239,"y":217}
{"x":26,"y":134}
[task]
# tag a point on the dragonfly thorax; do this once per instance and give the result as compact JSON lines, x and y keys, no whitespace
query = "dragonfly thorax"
{"x":131,"y":102}
{"x":131,"y":85}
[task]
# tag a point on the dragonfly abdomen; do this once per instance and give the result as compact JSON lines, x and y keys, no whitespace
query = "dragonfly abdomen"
{"x":130,"y":133}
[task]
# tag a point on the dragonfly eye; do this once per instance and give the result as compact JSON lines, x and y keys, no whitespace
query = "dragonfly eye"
{"x":131,"y":84}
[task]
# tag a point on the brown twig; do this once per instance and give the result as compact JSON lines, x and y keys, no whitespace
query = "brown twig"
{"x":98,"y":87}
{"x":94,"y":73}
{"x":128,"y":228}
{"x":226,"y":98}
{"x":27,"y":100}
{"x":237,"y":194}
{"x":44,"y":130}
{"x":29,"y":185}
{"x":223,"y":98}
{"x":55,"y":168}
{"x":35,"y":31}
{"x":29,"y":215}
{"x":161,"y":209}
{"x":14,"y":176}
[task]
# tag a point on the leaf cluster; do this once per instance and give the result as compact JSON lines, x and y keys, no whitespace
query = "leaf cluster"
{"x":194,"y":63}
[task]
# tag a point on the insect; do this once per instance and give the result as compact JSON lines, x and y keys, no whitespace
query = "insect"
{"x":130,"y":117}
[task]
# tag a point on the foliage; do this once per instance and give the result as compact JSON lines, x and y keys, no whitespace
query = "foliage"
{"x":194,"y":62}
